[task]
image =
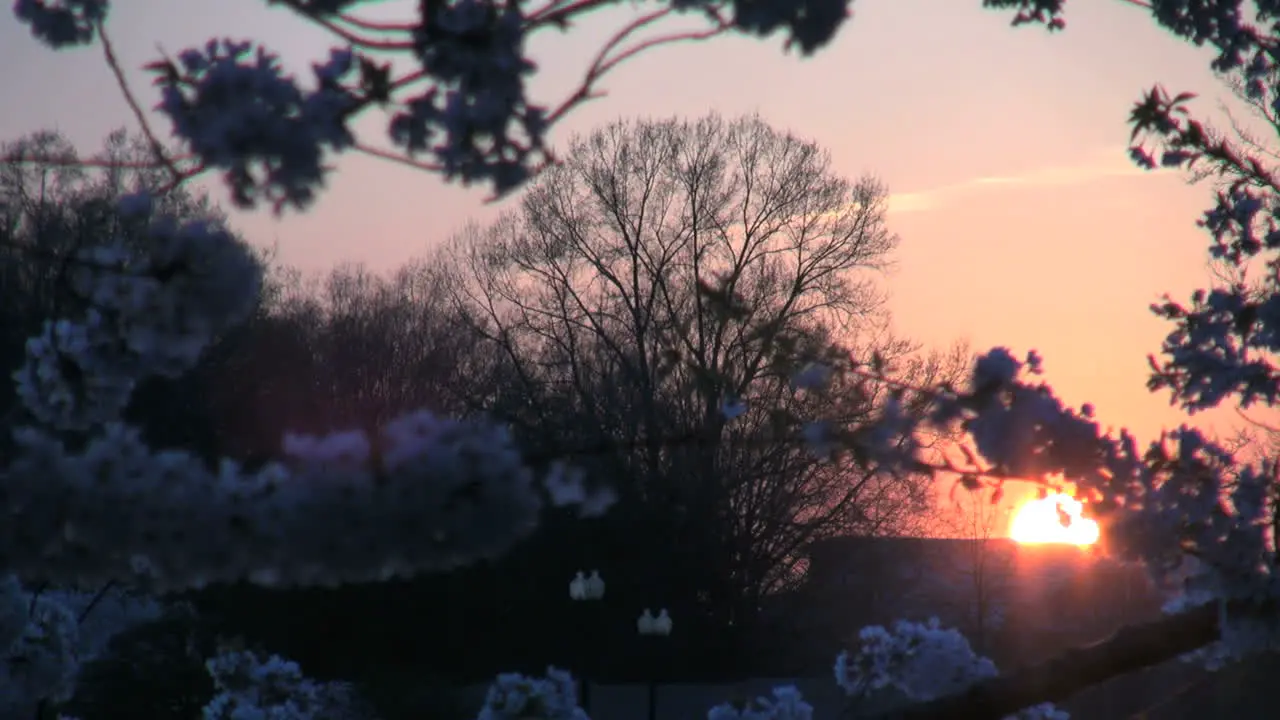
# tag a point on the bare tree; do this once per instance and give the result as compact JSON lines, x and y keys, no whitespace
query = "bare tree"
{"x":352,"y":347}
{"x":597,"y":293}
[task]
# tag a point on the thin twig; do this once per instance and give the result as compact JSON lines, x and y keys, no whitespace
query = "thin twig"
{"x":396,"y":158}
{"x":585,"y":90}
{"x":371,"y":26}
{"x":558,"y":13}
{"x":156,"y":148}
{"x":97,"y":598}
{"x":1272,"y":429}
{"x":350,"y":37}
{"x":604,"y":63}
{"x":35,"y":595}
{"x":175,"y":182}
{"x":409,"y":79}
{"x":693,"y":36}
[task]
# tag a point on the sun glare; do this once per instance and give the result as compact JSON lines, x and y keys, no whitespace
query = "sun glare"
{"x":1054,"y":519}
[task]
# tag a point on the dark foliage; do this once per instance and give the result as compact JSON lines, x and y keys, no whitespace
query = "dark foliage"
{"x":154,"y":671}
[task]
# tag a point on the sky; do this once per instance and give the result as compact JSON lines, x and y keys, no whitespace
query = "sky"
{"x":1022,"y":222}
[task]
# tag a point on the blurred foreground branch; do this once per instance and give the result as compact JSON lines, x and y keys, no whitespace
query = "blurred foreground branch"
{"x":1130,"y":649}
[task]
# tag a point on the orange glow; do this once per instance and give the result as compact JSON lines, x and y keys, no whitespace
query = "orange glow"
{"x":1042,"y":521}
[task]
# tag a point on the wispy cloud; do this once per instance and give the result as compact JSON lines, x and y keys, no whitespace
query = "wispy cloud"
{"x":1105,"y":163}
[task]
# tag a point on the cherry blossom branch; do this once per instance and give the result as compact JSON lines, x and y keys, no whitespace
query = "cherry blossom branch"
{"x":559,"y":13}
{"x":399,"y":159}
{"x":1130,"y":649}
{"x":108,"y":52}
{"x":722,"y":26}
{"x":603,"y":63}
{"x":371,"y":26}
{"x":354,"y":39}
{"x":606,"y":60}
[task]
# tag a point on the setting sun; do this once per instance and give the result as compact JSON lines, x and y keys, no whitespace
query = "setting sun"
{"x":1054,"y":519}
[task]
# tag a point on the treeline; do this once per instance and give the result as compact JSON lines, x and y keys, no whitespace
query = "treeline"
{"x":585,"y":320}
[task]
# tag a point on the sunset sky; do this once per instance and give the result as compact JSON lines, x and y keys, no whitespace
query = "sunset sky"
{"x":1022,"y":221}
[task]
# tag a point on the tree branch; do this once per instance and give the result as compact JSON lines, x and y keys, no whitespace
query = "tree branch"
{"x":359,"y":41}
{"x":1130,"y":649}
{"x":109,"y":54}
